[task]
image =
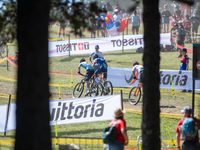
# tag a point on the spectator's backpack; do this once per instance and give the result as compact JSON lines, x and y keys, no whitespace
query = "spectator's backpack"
{"x":182,"y":36}
{"x":188,"y":129}
{"x":140,"y":50}
{"x":109,"y":135}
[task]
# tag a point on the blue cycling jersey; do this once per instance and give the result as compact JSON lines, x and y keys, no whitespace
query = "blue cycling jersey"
{"x":101,"y":62}
{"x":86,"y":65}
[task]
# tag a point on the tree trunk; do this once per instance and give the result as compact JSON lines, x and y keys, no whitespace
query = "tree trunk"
{"x":32,"y":121}
{"x":151,"y":60}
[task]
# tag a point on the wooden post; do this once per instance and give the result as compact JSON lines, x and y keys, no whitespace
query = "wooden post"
{"x":123,"y":41}
{"x":7,"y":115}
{"x":122,"y":99}
{"x":69,"y":46}
{"x":7,"y":56}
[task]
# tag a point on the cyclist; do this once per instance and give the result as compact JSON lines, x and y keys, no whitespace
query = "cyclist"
{"x":94,"y":53}
{"x":102,"y":67}
{"x":90,"y":71}
{"x":138,"y":69}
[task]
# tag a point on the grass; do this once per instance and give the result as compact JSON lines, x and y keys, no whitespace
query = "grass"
{"x":168,"y":102}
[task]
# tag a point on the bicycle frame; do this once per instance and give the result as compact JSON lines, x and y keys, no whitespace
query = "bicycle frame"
{"x":137,"y":91}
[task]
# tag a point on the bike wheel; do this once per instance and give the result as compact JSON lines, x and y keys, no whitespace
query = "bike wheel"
{"x":96,"y":89}
{"x":3,"y":51}
{"x":134,"y":95}
{"x":78,"y":90}
{"x":108,"y":88}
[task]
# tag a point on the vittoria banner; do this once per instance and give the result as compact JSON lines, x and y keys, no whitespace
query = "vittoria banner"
{"x":69,"y":111}
{"x":122,"y":77}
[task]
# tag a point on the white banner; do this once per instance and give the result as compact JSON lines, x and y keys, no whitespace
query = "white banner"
{"x":86,"y":46}
{"x":69,"y":111}
{"x":122,"y":77}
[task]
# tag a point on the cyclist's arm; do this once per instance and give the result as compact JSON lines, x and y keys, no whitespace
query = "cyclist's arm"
{"x":133,"y":71}
{"x":90,"y":59}
{"x":79,"y":69}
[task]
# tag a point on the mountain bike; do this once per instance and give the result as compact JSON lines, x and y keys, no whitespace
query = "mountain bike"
{"x":108,"y":87}
{"x":135,"y":94}
{"x":96,"y":89}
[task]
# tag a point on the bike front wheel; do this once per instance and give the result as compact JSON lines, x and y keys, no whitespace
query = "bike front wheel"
{"x":78,"y":90}
{"x":134,"y":95}
{"x":96,"y":89}
{"x":108,"y":88}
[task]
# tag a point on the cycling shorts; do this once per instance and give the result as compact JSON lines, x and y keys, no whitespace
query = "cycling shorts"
{"x":141,"y":77}
{"x":101,"y":70}
{"x":89,"y":74}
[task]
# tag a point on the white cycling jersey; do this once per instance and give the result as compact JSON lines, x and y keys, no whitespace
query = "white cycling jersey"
{"x":138,"y":68}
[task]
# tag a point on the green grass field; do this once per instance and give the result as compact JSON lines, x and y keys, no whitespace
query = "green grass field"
{"x":168,"y":102}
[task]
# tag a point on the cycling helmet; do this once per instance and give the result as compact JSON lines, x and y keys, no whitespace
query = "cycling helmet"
{"x":96,"y":47}
{"x":135,"y":63}
{"x":82,"y":60}
{"x":95,"y":56}
{"x":184,"y":50}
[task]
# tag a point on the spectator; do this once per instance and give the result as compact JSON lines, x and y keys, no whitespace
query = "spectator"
{"x":122,"y":137}
{"x":103,"y":25}
{"x":178,"y":12}
{"x":187,"y":26}
{"x":166,"y":14}
{"x":177,"y":32}
{"x":173,"y":22}
{"x":118,"y":7}
{"x":62,"y":22}
{"x":195,"y":24}
{"x":184,"y":63}
{"x":125,"y":15}
{"x":92,"y":21}
{"x":197,"y":10}
{"x":99,"y":22}
{"x":117,"y":18}
{"x":160,"y":13}
{"x":187,"y":144}
{"x":135,"y":22}
{"x":174,"y":5}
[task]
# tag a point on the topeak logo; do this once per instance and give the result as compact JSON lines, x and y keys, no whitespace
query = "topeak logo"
{"x":131,"y":80}
{"x":65,"y":111}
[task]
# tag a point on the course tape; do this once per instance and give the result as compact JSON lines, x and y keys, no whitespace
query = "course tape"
{"x":2,"y":60}
{"x":10,"y":60}
{"x":77,"y":141}
{"x":179,"y":46}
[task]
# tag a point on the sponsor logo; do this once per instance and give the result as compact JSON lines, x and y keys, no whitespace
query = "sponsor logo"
{"x":72,"y":47}
{"x":131,"y":80}
{"x":65,"y":111}
{"x":126,"y":42}
{"x":178,"y":79}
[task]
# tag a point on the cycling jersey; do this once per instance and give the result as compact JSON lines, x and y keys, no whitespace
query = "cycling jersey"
{"x":102,"y":63}
{"x":184,"y":61}
{"x":138,"y":68}
{"x":98,"y":53}
{"x":86,"y":65}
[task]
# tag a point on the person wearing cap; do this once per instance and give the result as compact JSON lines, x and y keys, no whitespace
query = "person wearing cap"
{"x":122,"y":136}
{"x":96,"y":66}
{"x":187,"y":145}
{"x":195,"y":24}
{"x":184,"y":63}
{"x":165,"y":14}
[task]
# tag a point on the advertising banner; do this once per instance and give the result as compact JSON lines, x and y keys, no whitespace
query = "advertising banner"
{"x":69,"y":111}
{"x":122,"y":77}
{"x":86,"y":46}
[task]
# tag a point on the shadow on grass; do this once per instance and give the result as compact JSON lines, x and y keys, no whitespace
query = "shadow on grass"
{"x":87,"y":131}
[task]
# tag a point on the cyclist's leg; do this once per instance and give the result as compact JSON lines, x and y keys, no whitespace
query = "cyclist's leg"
{"x":96,"y":73}
{"x":88,"y":75}
{"x":141,"y":80}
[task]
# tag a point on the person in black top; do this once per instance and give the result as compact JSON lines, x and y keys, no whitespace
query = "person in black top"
{"x":195,"y":24}
{"x":165,"y":14}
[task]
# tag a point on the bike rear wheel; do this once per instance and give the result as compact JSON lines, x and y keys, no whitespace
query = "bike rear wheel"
{"x":108,"y":88}
{"x":134,"y":95}
{"x":96,"y":89}
{"x":78,"y":90}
